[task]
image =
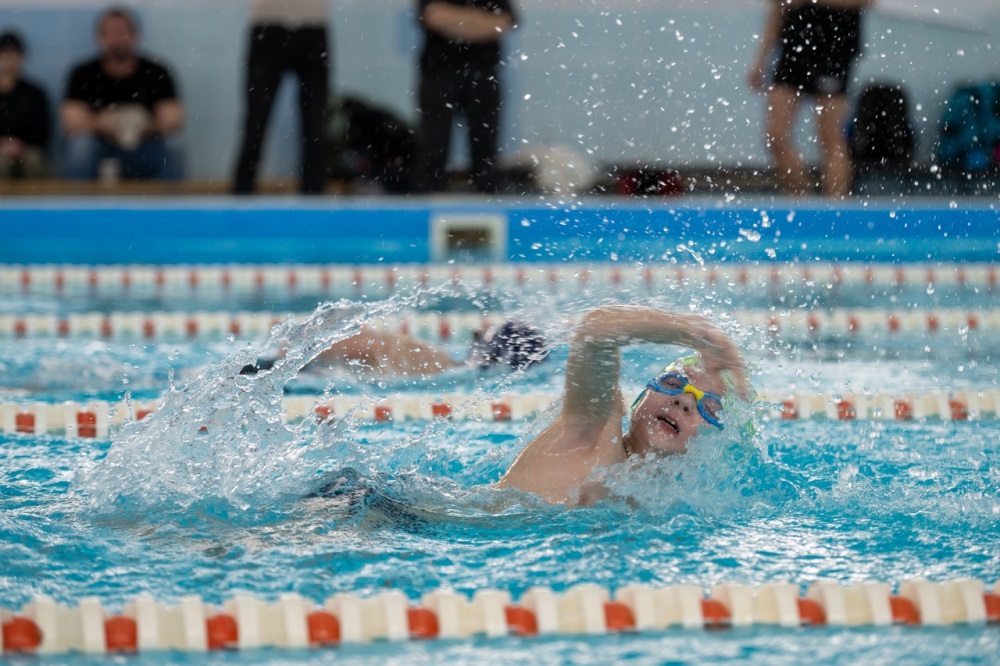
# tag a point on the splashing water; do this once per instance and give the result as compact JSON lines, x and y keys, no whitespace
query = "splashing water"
{"x":721,"y":473}
{"x":218,"y":446}
{"x":217,"y":449}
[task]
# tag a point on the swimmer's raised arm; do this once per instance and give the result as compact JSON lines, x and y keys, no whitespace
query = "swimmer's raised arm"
{"x":593,"y":367}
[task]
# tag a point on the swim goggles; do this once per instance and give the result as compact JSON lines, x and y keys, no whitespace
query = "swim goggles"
{"x":674,"y":383}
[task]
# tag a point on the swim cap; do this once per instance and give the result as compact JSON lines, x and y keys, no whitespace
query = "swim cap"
{"x":681,"y":363}
{"x":512,"y":343}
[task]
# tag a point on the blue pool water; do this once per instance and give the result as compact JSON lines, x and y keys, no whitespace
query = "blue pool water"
{"x":851,"y":502}
{"x":256,"y":506}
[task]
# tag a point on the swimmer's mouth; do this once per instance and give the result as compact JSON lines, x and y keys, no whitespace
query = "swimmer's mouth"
{"x":672,"y":424}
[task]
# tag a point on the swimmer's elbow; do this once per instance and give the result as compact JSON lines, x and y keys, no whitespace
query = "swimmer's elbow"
{"x":613,"y":324}
{"x":598,"y":324}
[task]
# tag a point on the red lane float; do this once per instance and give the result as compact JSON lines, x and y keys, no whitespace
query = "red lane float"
{"x":324,"y":628}
{"x":521,"y":621}
{"x":422,"y":622}
{"x":811,"y":613}
{"x":121,"y":634}
{"x":904,"y":611}
{"x":222,"y":632}
{"x":715,"y":614}
{"x":21,"y":635}
{"x":618,"y":617}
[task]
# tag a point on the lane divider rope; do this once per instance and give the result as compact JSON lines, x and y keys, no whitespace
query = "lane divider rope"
{"x":381,"y":279}
{"x":245,"y":622}
{"x":788,"y":326}
{"x":95,"y":419}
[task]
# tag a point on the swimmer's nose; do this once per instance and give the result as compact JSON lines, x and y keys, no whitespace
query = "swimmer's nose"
{"x":686,"y":401}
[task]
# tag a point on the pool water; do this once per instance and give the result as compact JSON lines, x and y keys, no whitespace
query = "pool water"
{"x":256,"y":505}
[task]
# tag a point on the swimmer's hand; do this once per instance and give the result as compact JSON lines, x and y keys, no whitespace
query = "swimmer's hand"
{"x":616,"y":325}
{"x":718,"y":351}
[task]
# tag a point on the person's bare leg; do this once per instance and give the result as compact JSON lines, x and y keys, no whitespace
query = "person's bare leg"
{"x":837,"y":170}
{"x":782,"y":109}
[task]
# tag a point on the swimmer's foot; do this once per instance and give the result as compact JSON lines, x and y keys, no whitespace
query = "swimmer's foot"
{"x":261,"y":364}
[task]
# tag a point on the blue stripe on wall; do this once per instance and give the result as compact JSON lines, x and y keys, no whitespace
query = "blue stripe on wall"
{"x":396,"y":231}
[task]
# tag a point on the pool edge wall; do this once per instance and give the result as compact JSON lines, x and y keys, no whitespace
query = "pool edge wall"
{"x":386,"y":230}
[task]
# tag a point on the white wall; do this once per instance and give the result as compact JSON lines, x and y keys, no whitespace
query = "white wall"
{"x":622,"y":80}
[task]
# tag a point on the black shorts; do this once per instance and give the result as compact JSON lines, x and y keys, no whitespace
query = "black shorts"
{"x":818,"y":49}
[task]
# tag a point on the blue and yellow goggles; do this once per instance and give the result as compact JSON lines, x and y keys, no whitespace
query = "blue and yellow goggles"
{"x":674,"y":383}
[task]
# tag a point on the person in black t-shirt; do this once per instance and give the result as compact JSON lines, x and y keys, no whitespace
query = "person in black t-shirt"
{"x":24,"y":116}
{"x":121,"y":109}
{"x":458,"y":73}
{"x":819,"y":41}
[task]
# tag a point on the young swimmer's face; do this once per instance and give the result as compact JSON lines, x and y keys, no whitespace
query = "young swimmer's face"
{"x":664,"y":423}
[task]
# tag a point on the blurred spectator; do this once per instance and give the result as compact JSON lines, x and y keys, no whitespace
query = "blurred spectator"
{"x":286,"y":36}
{"x":121,"y":111}
{"x":25,"y":123}
{"x":819,"y":42}
{"x":458,"y":73}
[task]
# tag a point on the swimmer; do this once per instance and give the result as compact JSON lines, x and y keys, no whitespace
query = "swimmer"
{"x":511,"y":345}
{"x":677,"y":404}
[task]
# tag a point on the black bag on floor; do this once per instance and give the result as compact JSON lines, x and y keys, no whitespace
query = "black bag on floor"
{"x":882,"y":135}
{"x":366,"y":142}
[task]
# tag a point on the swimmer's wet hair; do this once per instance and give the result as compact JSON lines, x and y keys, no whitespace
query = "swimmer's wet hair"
{"x":513,"y":343}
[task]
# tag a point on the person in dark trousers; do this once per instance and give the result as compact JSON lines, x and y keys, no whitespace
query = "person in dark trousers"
{"x":121,"y":107}
{"x":25,"y":121}
{"x":818,"y":41}
{"x":458,"y":74}
{"x":286,"y":36}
